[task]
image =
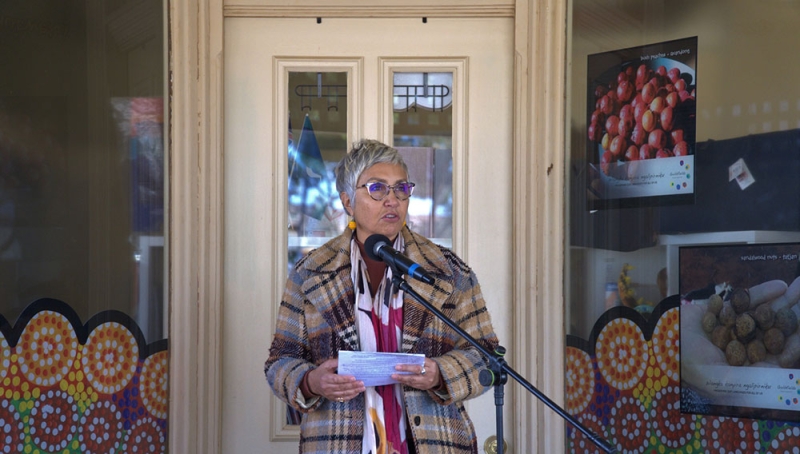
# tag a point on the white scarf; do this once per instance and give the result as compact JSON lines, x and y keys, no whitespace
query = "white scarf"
{"x":380,"y":317}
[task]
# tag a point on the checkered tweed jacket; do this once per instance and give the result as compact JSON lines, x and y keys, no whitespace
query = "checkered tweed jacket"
{"x":316,"y":320}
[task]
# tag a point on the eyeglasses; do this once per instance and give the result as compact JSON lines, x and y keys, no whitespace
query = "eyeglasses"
{"x":379,"y":191}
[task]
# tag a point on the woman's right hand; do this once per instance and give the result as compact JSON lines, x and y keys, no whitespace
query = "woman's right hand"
{"x":324,"y":381}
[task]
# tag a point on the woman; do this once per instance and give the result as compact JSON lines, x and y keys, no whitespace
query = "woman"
{"x":337,"y":298}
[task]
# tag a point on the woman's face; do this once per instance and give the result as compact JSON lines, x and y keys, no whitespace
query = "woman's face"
{"x":386,"y":216}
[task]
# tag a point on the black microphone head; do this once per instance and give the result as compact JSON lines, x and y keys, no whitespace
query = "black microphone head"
{"x":373,"y":243}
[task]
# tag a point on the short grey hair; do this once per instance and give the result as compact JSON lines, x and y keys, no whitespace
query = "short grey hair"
{"x":364,"y":154}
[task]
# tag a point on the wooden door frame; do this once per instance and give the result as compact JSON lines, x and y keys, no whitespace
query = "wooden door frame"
{"x":196,"y":203}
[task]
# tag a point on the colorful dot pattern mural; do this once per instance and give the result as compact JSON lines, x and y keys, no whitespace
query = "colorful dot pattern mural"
{"x":73,"y":388}
{"x":623,"y":383}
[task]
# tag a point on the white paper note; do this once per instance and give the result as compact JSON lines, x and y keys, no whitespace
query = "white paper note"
{"x":741,"y":173}
{"x":375,"y":368}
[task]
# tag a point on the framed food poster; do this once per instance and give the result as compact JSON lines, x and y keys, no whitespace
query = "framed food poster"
{"x":641,"y":121}
{"x":739,"y":338}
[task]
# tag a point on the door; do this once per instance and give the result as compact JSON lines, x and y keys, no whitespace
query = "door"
{"x":259,"y":55}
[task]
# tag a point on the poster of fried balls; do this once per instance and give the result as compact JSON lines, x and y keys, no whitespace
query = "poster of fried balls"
{"x":641,"y":122}
{"x":739,"y":330}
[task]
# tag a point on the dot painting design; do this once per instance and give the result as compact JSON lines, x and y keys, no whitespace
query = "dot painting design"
{"x":786,"y":442}
{"x":109,"y":357}
{"x":101,"y":428}
{"x":153,"y":385}
{"x":53,"y":420}
{"x":730,"y":435}
{"x":13,"y":434}
{"x":5,"y":357}
{"x":580,"y":381}
{"x":622,"y":353}
{"x":630,"y":425}
{"x":145,"y":437}
{"x":47,"y":347}
{"x":580,"y":443}
{"x":69,"y":388}
{"x":666,"y":344}
{"x":673,"y":428}
{"x":631,"y":381}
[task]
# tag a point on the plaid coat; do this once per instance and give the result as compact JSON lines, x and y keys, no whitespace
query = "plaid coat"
{"x":316,"y":320}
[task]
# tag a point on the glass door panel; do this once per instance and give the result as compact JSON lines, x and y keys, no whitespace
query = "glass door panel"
{"x":423,"y":133}
{"x":317,"y":105}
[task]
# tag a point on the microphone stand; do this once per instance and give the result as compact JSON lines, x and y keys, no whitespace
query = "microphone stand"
{"x":498,"y":373}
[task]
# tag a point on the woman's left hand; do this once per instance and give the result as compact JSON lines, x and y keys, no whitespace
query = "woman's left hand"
{"x":423,"y":378}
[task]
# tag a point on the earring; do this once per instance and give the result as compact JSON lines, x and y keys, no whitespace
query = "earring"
{"x":352,"y":224}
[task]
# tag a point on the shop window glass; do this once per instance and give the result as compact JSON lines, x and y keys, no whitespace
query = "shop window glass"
{"x":633,"y":267}
{"x":83,"y":312}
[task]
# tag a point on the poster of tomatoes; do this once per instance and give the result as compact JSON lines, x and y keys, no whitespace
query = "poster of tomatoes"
{"x":641,"y":122}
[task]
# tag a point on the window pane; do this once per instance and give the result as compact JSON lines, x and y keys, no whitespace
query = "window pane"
{"x":317,"y":142}
{"x":633,"y":271}
{"x":735,"y":118}
{"x":82,"y":218}
{"x":423,"y":133}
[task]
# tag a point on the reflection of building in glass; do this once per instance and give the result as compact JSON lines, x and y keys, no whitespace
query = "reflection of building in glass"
{"x":430,"y":209}
{"x":140,"y":122}
{"x":430,"y":91}
{"x":423,"y":130}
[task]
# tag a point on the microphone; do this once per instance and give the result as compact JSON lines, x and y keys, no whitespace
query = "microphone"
{"x":378,"y":248}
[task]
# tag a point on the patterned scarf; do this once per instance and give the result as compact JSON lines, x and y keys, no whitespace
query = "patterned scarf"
{"x":380,"y":329}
